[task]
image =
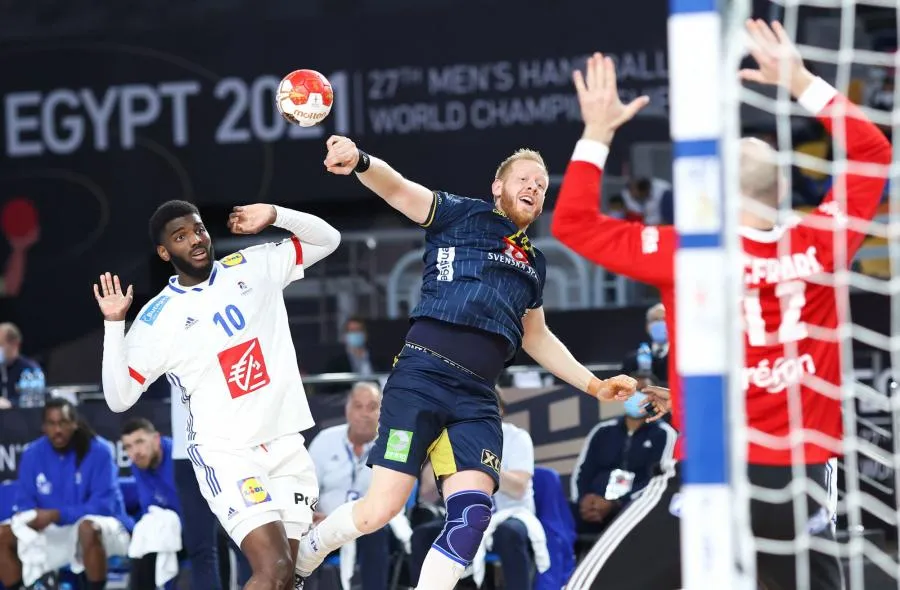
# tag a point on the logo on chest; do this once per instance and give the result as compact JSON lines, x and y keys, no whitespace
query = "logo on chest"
{"x":518,"y":247}
{"x":244,"y":368}
{"x":44,"y":487}
{"x":245,"y":290}
{"x":517,"y":253}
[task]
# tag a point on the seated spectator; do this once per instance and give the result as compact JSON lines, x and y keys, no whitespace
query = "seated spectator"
{"x":340,"y":454}
{"x":615,"y":207}
{"x":643,"y":198}
{"x":69,"y":507}
{"x":652,"y":357}
{"x":511,"y":532}
{"x":617,"y":460}
{"x":18,"y":374}
{"x":154,"y":474}
{"x":354,"y":358}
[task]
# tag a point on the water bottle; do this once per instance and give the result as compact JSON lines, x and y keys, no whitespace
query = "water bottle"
{"x":39,"y":385}
{"x":644,"y":358}
{"x":23,"y":386}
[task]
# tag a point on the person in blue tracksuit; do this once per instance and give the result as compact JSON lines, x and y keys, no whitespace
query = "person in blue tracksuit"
{"x":154,"y":475}
{"x":68,"y":476}
{"x":616,"y":462}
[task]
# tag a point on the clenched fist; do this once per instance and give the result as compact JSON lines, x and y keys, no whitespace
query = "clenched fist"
{"x":618,"y":388}
{"x":342,"y":155}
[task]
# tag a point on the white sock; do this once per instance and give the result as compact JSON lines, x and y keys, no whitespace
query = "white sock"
{"x":439,"y":572}
{"x":333,"y":532}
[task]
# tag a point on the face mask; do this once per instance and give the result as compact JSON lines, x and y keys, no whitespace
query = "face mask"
{"x":658,"y":332}
{"x":356,"y":339}
{"x":633,"y":405}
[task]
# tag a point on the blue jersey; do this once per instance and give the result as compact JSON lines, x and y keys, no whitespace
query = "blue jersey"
{"x":156,"y":485}
{"x":53,"y":480}
{"x":481,"y":271}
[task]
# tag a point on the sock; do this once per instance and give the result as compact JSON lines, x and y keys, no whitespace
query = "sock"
{"x":439,"y":572}
{"x":468,"y":516}
{"x":333,"y":532}
{"x":96,"y":585}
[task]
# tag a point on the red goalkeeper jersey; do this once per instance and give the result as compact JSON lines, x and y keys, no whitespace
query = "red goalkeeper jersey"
{"x":790,"y":308}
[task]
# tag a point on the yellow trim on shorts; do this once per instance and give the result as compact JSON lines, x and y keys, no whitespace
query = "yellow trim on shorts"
{"x":441,"y":454}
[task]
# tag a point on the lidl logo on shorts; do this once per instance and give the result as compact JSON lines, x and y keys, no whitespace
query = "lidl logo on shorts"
{"x":234,"y":259}
{"x":253,"y":492}
{"x":490,"y":459}
{"x":398,"y":445}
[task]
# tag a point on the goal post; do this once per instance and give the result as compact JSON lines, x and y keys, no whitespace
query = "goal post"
{"x":707,"y":101}
{"x":703,"y":77}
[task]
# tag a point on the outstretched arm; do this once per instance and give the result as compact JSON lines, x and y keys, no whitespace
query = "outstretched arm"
{"x":631,"y":249}
{"x":547,"y":350}
{"x":314,"y":237}
{"x":862,"y":189}
{"x":408,"y":197}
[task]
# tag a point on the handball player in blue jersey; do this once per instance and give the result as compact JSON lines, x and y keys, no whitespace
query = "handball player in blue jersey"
{"x":481,"y":301}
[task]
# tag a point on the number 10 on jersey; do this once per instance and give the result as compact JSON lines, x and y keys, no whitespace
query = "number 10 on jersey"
{"x":233,"y":318}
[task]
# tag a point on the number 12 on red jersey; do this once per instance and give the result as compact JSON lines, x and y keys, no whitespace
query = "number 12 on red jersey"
{"x":792,"y":297}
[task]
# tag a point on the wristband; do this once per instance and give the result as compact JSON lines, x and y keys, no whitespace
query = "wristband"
{"x":364,"y":161}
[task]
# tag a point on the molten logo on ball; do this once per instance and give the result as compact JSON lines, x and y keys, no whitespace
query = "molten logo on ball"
{"x":304,"y":97}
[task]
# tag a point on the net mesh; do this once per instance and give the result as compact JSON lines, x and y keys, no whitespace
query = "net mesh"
{"x":851,"y":44}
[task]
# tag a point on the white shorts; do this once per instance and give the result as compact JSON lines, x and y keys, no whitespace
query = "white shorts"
{"x":59,"y":547}
{"x":248,"y":488}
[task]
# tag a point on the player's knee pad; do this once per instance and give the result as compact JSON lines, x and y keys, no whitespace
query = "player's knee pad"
{"x":468,"y":516}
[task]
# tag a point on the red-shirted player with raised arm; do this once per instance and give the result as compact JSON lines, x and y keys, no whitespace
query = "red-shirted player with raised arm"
{"x":790,"y":308}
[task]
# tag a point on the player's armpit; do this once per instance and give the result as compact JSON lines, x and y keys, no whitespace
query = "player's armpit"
{"x":641,"y":252}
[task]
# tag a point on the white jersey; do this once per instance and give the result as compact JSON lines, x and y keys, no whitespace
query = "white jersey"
{"x":225,"y":343}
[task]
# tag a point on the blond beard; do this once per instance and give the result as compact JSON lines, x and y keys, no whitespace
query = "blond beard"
{"x":508,"y":206}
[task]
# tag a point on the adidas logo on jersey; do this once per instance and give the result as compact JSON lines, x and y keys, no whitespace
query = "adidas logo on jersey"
{"x":189,"y":322}
{"x":231,"y":512}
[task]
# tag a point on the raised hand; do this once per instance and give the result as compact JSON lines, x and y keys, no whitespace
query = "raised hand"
{"x":598,"y":95}
{"x":778,"y":59}
{"x":113,"y":301}
{"x":251,"y":219}
{"x":342,"y":155}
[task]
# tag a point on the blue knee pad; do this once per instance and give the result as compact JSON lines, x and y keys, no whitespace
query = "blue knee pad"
{"x":468,"y":516}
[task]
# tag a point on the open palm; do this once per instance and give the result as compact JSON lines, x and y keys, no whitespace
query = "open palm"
{"x":113,"y":301}
{"x":598,"y":95}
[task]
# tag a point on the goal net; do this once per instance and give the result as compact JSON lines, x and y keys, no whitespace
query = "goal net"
{"x":852,"y":44}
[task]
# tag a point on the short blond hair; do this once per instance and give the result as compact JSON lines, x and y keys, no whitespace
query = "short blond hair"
{"x":759,"y":173}
{"x":519,"y":154}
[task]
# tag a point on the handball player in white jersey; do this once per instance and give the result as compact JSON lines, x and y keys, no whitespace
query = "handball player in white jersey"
{"x":219,"y":331}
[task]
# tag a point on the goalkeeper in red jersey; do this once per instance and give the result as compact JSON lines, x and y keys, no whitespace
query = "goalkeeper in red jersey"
{"x":791,"y":315}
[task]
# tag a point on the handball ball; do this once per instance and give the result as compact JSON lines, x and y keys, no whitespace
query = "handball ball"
{"x":304,"y":97}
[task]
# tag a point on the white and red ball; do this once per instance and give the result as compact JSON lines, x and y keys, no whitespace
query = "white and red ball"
{"x":304,"y":97}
